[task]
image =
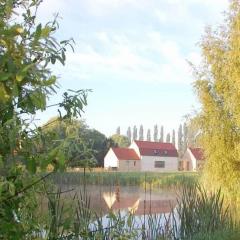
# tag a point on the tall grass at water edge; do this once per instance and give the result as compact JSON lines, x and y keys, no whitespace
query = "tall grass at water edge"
{"x":198,"y":216}
{"x":164,"y":180}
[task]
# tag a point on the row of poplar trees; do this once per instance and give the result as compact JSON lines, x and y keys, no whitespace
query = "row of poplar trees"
{"x":158,"y":135}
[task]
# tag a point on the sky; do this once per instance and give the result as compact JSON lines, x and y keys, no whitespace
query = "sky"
{"x":134,"y":56}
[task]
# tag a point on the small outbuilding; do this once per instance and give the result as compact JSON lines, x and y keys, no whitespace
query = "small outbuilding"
{"x":193,"y":159}
{"x":125,"y":159}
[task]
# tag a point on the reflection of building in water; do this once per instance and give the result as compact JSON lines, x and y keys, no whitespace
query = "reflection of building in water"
{"x":135,"y":204}
{"x":109,"y":198}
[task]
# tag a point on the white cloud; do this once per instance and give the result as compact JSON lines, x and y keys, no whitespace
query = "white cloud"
{"x":129,"y":59}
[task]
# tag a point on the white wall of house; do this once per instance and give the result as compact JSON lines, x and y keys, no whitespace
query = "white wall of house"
{"x":189,"y":157}
{"x":110,"y":159}
{"x":193,"y":160}
{"x":148,"y":163}
{"x":135,"y":147}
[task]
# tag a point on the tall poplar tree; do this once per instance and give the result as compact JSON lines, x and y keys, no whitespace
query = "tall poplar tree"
{"x":173,"y":137}
{"x":129,"y":134}
{"x":140,"y":135}
{"x":218,"y":88}
{"x":168,"y":138}
{"x":161,"y":134}
{"x":155,"y":133}
{"x":180,"y":141}
{"x":135,"y":133}
{"x":148,"y":135}
{"x":185,"y":137}
{"x":118,"y":131}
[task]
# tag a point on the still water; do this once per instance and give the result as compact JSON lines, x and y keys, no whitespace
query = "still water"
{"x":126,"y":198}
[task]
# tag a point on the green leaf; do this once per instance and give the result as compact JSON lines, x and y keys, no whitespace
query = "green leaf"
{"x":5,"y":76}
{"x":1,"y":161}
{"x":38,"y":32}
{"x":52,"y":80}
{"x":61,"y":160}
{"x":31,"y":165}
{"x":38,"y":99}
{"x":27,"y":67}
{"x":45,"y":32}
{"x":19,"y":77}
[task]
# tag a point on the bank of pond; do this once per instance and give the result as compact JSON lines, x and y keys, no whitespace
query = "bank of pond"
{"x":156,"y":180}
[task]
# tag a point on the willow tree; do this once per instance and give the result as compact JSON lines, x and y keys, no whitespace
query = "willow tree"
{"x":218,"y":89}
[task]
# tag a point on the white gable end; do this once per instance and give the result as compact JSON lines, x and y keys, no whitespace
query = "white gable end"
{"x":110,"y":159}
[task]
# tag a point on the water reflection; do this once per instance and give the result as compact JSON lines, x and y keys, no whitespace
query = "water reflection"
{"x":129,"y":198}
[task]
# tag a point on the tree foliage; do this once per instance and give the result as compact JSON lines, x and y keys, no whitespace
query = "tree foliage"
{"x":218,"y":88}
{"x":135,"y":133}
{"x":141,"y":133}
{"x":80,"y":145}
{"x":118,"y":130}
{"x":168,"y":138}
{"x":148,"y":135}
{"x":120,"y":140}
{"x":129,"y":134}
{"x":155,"y":133}
{"x":27,"y":51}
{"x":161,"y":134}
{"x":180,"y":141}
{"x":173,"y":137}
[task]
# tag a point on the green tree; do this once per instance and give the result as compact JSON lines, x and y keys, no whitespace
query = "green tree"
{"x":168,"y":138}
{"x":173,"y":137}
{"x":27,"y":51}
{"x":141,"y":133}
{"x":77,"y":142}
{"x":155,"y":133}
{"x":120,"y":140}
{"x":161,"y":134}
{"x":129,"y":134}
{"x":180,"y":141}
{"x":185,"y":136}
{"x":218,"y":88}
{"x":118,"y":130}
{"x":148,"y":135}
{"x":194,"y":131}
{"x":135,"y":133}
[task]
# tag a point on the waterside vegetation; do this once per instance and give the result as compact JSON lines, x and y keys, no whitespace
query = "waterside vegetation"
{"x":156,"y":180}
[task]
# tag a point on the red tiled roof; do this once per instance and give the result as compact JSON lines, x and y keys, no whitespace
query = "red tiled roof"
{"x":125,"y":154}
{"x":197,"y":153}
{"x":147,"y":148}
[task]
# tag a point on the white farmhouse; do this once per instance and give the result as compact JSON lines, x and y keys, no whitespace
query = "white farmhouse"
{"x":143,"y":156}
{"x":193,"y":159}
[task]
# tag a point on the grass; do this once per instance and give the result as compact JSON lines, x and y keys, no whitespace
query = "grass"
{"x":163,"y":180}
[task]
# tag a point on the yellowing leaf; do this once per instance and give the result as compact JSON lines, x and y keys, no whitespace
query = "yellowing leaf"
{"x":19,"y":30}
{"x":19,"y":77}
{"x":45,"y":32}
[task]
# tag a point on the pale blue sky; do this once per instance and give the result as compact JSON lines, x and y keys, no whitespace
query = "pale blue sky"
{"x":132,"y":54}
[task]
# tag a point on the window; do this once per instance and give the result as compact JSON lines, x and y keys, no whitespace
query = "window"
{"x":159,"y":164}
{"x":134,"y":163}
{"x":156,"y":152}
{"x":165,"y":152}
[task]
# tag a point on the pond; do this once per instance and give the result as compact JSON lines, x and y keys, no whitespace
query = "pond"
{"x":125,"y":198}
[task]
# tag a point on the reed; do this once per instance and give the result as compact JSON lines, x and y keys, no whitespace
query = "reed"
{"x":163,"y":180}
{"x":198,"y":215}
